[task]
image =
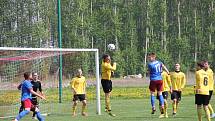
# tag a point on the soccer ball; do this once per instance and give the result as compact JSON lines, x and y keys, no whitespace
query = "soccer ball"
{"x":111,"y":47}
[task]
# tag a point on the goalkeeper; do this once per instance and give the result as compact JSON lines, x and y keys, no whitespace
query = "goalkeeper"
{"x":78,"y":85}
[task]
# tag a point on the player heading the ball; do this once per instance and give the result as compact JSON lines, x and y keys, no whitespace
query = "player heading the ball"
{"x":107,"y":70}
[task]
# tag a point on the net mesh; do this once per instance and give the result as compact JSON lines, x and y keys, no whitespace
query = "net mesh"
{"x":13,"y":64}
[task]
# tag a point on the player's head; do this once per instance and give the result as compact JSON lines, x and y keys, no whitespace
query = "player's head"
{"x":200,"y":65}
{"x":79,"y":72}
{"x":27,"y":75}
{"x":151,"y":57}
{"x":206,"y":65}
{"x":35,"y":76}
{"x":106,"y":58}
{"x":177,"y":67}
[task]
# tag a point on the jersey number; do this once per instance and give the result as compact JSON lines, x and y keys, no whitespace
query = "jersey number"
{"x":158,"y":68}
{"x":205,"y":81}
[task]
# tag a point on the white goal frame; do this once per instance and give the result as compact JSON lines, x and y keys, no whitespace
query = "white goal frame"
{"x":96,"y":51}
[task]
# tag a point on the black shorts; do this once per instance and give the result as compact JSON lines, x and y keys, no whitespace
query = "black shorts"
{"x":34,"y":101}
{"x":106,"y":85}
{"x":201,"y":99}
{"x":80,"y":97}
{"x":165,"y":95}
{"x":210,"y":94}
{"x":176,"y":95}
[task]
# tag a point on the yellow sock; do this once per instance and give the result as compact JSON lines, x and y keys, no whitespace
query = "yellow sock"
{"x":207,"y":112}
{"x":199,"y":112}
{"x":165,"y":107}
{"x":177,"y":105}
{"x":107,"y":103}
{"x":174,"y":107}
{"x":74,"y":107}
{"x":84,"y":108}
{"x":210,"y":109}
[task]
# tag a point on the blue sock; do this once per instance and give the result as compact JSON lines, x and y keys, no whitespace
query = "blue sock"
{"x":153,"y":101}
{"x":39,"y":117}
{"x":161,"y":100}
{"x":22,"y":114}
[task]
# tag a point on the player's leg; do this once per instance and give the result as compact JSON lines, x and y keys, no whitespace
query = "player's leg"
{"x":159,"y":86}
{"x":27,"y":106}
{"x":74,"y":106}
{"x":209,"y":105}
{"x":38,"y":114}
{"x":198,"y":102}
{"x":205,"y":102}
{"x":84,"y":104}
{"x":178,"y":99}
{"x":107,"y":88}
{"x":207,"y":112}
{"x":21,"y":107}
{"x":174,"y":102}
{"x":165,"y":95}
{"x":35,"y":103}
{"x":199,"y":112}
{"x":152,"y":88}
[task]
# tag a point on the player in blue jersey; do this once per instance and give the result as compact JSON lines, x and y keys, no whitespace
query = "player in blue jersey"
{"x":155,"y":69}
{"x":27,"y":91}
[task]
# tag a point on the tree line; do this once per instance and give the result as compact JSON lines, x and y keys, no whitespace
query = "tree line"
{"x":177,"y":30}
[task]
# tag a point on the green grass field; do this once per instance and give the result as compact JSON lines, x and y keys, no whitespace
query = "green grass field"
{"x":126,"y":110}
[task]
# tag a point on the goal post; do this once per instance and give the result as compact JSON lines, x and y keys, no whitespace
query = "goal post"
{"x":50,"y":52}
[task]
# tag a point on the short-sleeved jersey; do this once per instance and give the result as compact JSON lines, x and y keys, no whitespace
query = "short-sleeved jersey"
{"x":155,"y":70}
{"x":79,"y":84}
{"x":107,"y":69}
{"x":202,"y":82}
{"x":178,"y":80}
{"x":166,"y":81}
{"x":36,"y":86}
{"x":210,"y":79}
{"x":25,"y":88}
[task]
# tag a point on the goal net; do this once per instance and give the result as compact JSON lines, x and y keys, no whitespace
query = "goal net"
{"x":14,"y":62}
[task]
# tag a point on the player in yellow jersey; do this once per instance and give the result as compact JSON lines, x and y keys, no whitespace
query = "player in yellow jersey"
{"x":211,"y":86}
{"x":166,"y":88}
{"x":78,"y":85}
{"x":202,"y":91}
{"x":107,"y":70}
{"x":178,"y":81}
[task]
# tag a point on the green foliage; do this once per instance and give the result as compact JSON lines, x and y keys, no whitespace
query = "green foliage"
{"x":96,"y":23}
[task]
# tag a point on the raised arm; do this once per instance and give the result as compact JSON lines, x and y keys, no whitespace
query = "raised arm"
{"x":109,"y":67}
{"x":165,"y":68}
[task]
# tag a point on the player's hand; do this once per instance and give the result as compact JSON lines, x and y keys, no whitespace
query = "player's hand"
{"x":42,"y":97}
{"x":74,"y":92}
{"x":170,"y":90}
